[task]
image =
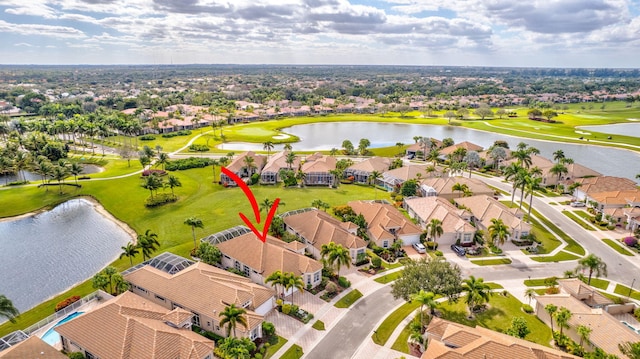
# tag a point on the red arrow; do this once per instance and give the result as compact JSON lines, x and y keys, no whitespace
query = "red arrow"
{"x":254,"y":204}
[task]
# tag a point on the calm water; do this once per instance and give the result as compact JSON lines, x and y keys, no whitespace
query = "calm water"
{"x":324,"y":136}
{"x":32,"y":176}
{"x":45,"y":254}
{"x":622,"y":129}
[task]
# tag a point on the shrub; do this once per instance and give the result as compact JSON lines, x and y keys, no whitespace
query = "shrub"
{"x":636,"y":313}
{"x":331,"y":288}
{"x":439,"y":253}
{"x":177,"y":133}
{"x":376,"y":262}
{"x":255,"y":178}
{"x":76,"y":355}
{"x":67,"y":302}
{"x":432,"y":245}
{"x":268,"y":329}
{"x":630,"y":241}
{"x":160,"y":199}
{"x":188,"y":163}
{"x":147,"y":138}
{"x":286,"y":308}
{"x":147,"y":173}
{"x":257,"y":356}
{"x":527,"y":308}
{"x":198,"y":148}
{"x":344,"y":282}
{"x":552,"y":290}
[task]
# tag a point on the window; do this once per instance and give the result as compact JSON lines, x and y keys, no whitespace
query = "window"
{"x":140,"y":289}
{"x":159,"y":298}
{"x":174,"y":306}
{"x":309,"y":279}
{"x":246,"y":270}
{"x":385,"y":244}
{"x":253,"y":334}
{"x":196,"y":319}
{"x":89,"y":355}
{"x":316,"y":276}
{"x":237,"y":265}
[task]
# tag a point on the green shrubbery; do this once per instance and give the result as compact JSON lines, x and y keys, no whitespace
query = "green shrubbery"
{"x":188,"y":163}
{"x":160,"y":199}
{"x":344,"y":282}
{"x":147,"y":138}
{"x":177,"y":133}
{"x":198,"y":148}
{"x":527,"y":308}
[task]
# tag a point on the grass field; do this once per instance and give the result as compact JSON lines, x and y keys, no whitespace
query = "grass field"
{"x":491,"y":262}
{"x":347,"y":300}
{"x":579,"y":221}
{"x":559,"y":257}
{"x":384,"y":331}
{"x":388,"y":278}
{"x":617,"y":247}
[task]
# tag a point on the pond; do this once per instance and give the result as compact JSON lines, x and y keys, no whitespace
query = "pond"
{"x":326,"y":135}
{"x":622,"y":129}
{"x":32,"y":176}
{"x":44,"y":254}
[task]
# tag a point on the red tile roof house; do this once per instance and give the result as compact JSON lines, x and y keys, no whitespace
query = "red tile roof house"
{"x":445,"y":152}
{"x":271,"y":172}
{"x":396,"y":177}
{"x":130,"y":326}
{"x":485,"y":208}
{"x":317,"y":169}
{"x":239,"y":167}
{"x":443,"y":187}
{"x":316,"y":228}
{"x":589,"y":186}
{"x":456,"y":229}
{"x":202,"y":290}
{"x":413,"y":149}
{"x":386,"y":224}
{"x":32,"y":347}
{"x":362,"y":170}
{"x":258,"y":260}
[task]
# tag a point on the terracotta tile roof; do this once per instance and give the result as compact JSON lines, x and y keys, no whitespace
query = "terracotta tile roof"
{"x":110,"y":331}
{"x":379,"y":164}
{"x":268,"y":257}
{"x":381,"y":217}
{"x":616,"y":198}
{"x":238,"y":163}
{"x":605,"y":184}
{"x":407,"y":172}
{"x":487,"y":208}
{"x":584,"y":292}
{"x":204,"y":289}
{"x":32,"y":348}
{"x":536,"y":161}
{"x":319,"y":228}
{"x":278,"y":161}
{"x":427,"y":208}
{"x":449,"y":340}
{"x":320,"y":163}
{"x":444,"y":185}
{"x":466,"y":145}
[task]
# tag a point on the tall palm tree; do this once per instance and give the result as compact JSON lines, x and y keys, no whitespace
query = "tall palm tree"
{"x":194,"y":222}
{"x":562,"y":318}
{"x":148,"y":243}
{"x":532,"y":184}
{"x":276,"y":278}
{"x":373,"y":178}
{"x":268,"y":146}
{"x":293,"y":281}
{"x":434,"y":230}
{"x":45,"y":169}
{"x":530,"y":294}
{"x":558,"y":155}
{"x":632,"y":350}
{"x":584,"y":332}
{"x":266,"y":205}
{"x":425,"y":298}
{"x":75,"y":169}
{"x":290,"y":158}
{"x":250,"y":164}
{"x":163,"y":159}
{"x":552,"y":310}
{"x":130,"y":250}
{"x":498,"y":231}
{"x":335,"y":255}
{"x":558,"y":169}
{"x":594,"y":264}
{"x":172,"y":182}
{"x":513,"y":173}
{"x":7,"y":310}
{"x":287,"y":147}
{"x":477,"y":292}
{"x":59,"y":174}
{"x":460,"y":188}
{"x":231,"y":317}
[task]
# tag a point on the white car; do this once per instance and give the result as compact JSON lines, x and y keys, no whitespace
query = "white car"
{"x":419,"y":247}
{"x":577,"y":204}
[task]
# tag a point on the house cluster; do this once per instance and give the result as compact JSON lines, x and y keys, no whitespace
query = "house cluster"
{"x":610,"y":324}
{"x":616,"y":198}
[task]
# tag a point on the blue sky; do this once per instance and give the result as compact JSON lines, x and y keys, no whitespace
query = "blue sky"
{"x":544,"y":33}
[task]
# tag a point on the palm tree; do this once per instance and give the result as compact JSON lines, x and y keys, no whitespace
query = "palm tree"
{"x":584,"y":332}
{"x":293,"y":281}
{"x":266,"y":205}
{"x":558,"y":155}
{"x":632,"y":350}
{"x":59,"y":174}
{"x":44,"y":168}
{"x":267,"y":146}
{"x":194,"y":222}
{"x":7,"y":310}
{"x":276,"y":278}
{"x":373,"y":177}
{"x":232,"y":316}
{"x":472,"y":158}
{"x":477,"y":292}
{"x":172,"y":182}
{"x":163,"y":159}
{"x":498,"y":231}
{"x":558,"y":169}
{"x":594,"y":264}
{"x":562,"y":318}
{"x":433,"y":156}
{"x":460,"y":188}
{"x":551,"y":310}
{"x":250,"y":164}
{"x":75,"y":169}
{"x":532,"y":184}
{"x":425,"y":298}
{"x":287,"y":147}
{"x":130,"y":250}
{"x":148,"y":243}
{"x":290,"y":158}
{"x":434,"y":230}
{"x":513,"y":173}
{"x":530,"y":294}
{"x":335,"y":255}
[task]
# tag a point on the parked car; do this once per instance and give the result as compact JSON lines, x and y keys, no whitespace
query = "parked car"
{"x":419,"y":247}
{"x":459,"y":250}
{"x":578,"y":204}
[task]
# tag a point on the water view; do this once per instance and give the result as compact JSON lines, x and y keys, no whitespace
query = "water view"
{"x":622,"y":129}
{"x":32,"y":176}
{"x":324,"y":136}
{"x":44,"y":254}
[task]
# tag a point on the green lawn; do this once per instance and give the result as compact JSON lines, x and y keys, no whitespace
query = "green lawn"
{"x":318,"y":325}
{"x":347,"y":300}
{"x":294,"y":352}
{"x":599,"y":283}
{"x":401,"y":344}
{"x":583,"y":214}
{"x":579,"y":221}
{"x":617,"y":246}
{"x":559,"y":257}
{"x":387,"y":278}
{"x":623,"y":290}
{"x":384,"y":331}
{"x":491,"y":262}
{"x":539,"y":282}
{"x":275,"y":347}
{"x":493,"y":285}
{"x":498,"y":317}
{"x":572,"y":245}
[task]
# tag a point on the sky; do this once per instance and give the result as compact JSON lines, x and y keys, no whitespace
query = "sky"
{"x":521,"y":33}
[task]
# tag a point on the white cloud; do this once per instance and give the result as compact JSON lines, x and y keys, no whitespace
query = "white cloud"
{"x":40,"y":30}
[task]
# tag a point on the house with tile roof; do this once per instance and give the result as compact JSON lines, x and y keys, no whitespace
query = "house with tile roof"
{"x":615,"y":199}
{"x":394,"y":178}
{"x":271,"y":172}
{"x":417,"y":149}
{"x":317,"y":169}
{"x":443,"y":187}
{"x":32,"y":347}
{"x":316,"y":228}
{"x":362,"y":170}
{"x":632,"y":216}
{"x":204,"y":291}
{"x":385,"y":224}
{"x":258,"y":260}
{"x":449,"y":340}
{"x":455,"y":222}
{"x":468,"y":146}
{"x":485,"y":208}
{"x":130,"y":326}
{"x":239,"y":167}
{"x":610,"y":324}
{"x":591,"y":185}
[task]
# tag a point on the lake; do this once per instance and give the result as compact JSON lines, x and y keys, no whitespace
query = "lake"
{"x":32,"y":176}
{"x":622,"y":129}
{"x":44,"y":254}
{"x":326,"y":135}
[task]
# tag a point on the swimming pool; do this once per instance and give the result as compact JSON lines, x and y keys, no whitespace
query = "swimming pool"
{"x":52,"y":337}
